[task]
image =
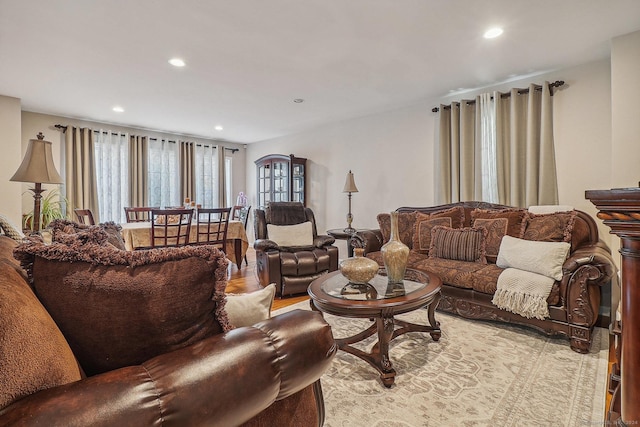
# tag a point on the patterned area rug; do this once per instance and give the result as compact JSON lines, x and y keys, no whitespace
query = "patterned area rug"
{"x":478,"y":374}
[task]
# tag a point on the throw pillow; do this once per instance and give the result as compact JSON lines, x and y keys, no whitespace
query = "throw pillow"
{"x":61,"y":228}
{"x":553,"y":227}
{"x":460,"y":244}
{"x":545,"y":258}
{"x":406,"y":225}
{"x":249,"y":309}
{"x":33,"y":353}
{"x":498,"y":224}
{"x":424,"y":223}
{"x":422,"y":232}
{"x":120,"y":308}
{"x":7,"y":227}
{"x":291,"y":235}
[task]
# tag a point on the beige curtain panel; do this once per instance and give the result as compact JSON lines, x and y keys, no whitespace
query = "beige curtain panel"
{"x":187,"y":170}
{"x":138,"y":171}
{"x":222,"y":194}
{"x":525,"y":153}
{"x":80,"y":174}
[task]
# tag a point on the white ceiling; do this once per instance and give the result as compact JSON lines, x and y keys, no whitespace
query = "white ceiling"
{"x":248,"y":59}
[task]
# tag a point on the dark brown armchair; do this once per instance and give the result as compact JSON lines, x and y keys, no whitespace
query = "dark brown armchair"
{"x":292,"y":267}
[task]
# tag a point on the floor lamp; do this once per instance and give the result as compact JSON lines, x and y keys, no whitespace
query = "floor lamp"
{"x":37,"y":167}
{"x":350,"y":187}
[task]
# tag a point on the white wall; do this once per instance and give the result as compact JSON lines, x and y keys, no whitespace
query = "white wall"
{"x":11,"y":158}
{"x":32,"y":123}
{"x":625,"y":93}
{"x":392,"y":153}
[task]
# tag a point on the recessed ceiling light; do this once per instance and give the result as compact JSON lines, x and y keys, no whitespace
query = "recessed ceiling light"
{"x":298,"y":100}
{"x":218,"y":127}
{"x":177,"y":62}
{"x":493,"y":33}
{"x":118,"y":109}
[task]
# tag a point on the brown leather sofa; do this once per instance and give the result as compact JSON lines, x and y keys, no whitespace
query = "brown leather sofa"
{"x":267,"y":374}
{"x":291,"y":268}
{"x":468,"y":287}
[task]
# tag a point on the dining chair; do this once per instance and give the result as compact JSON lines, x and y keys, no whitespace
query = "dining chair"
{"x":139,"y":214}
{"x":170,"y":227}
{"x":212,"y":225}
{"x":241,"y":213}
{"x":85,"y":216}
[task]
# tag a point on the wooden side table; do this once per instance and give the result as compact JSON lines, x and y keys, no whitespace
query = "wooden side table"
{"x":620,"y":210}
{"x":340,"y":234}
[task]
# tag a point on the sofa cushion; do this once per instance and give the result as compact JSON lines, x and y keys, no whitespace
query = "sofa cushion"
{"x":461,"y":244}
{"x":34,"y":354}
{"x":119,"y":308}
{"x":545,"y":258}
{"x":552,"y":227}
{"x":424,"y":223}
{"x":250,"y":308}
{"x":406,"y":225}
{"x":291,"y":235}
{"x":507,"y":222}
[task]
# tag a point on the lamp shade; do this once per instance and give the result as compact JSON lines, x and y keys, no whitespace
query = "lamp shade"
{"x":37,"y":165}
{"x":350,"y":184}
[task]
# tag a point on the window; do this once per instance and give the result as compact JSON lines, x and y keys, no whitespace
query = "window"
{"x":112,"y":166}
{"x":164,"y":176}
{"x":206,"y":176}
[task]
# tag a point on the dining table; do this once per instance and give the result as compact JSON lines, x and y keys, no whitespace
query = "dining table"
{"x":138,"y":234}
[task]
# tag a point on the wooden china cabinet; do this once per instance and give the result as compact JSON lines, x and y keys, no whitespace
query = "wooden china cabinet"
{"x":620,"y":210}
{"x":281,"y":178}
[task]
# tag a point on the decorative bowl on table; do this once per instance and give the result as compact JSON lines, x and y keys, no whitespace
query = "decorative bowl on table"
{"x":359,"y":269}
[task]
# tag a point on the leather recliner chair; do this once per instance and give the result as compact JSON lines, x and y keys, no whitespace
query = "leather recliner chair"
{"x":291,"y":268}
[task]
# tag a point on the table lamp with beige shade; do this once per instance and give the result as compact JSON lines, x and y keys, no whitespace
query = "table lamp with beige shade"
{"x":37,"y":167}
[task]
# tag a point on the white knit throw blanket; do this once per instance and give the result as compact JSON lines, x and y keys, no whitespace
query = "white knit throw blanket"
{"x":523,"y":293}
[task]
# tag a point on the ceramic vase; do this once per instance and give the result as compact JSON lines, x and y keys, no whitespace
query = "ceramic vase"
{"x":395,"y":254}
{"x":359,"y":269}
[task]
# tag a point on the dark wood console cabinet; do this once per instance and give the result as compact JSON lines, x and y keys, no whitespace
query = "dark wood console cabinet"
{"x":281,"y":178}
{"x":620,"y":210}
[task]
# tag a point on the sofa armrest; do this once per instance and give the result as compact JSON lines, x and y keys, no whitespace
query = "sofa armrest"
{"x":597,"y":256}
{"x":323,"y":240}
{"x":224,"y":380}
{"x":585,"y":271}
{"x":369,"y":240}
{"x":265,"y":245}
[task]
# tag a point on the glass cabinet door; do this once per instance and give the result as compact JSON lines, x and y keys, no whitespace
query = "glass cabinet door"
{"x":280,"y":178}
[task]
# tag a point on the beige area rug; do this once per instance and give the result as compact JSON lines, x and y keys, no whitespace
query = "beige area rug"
{"x":478,"y":374}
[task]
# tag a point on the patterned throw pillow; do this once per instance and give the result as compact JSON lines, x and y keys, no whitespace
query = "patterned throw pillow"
{"x":507,"y":222}
{"x":553,"y":227}
{"x":453,"y":218}
{"x":422,"y":233}
{"x":406,"y":225}
{"x":460,"y":244}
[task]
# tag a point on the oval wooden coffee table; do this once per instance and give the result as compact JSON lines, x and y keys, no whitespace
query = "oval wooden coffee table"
{"x":332,"y":293}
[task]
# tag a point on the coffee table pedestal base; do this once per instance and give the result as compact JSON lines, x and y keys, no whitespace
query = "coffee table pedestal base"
{"x":385,"y":326}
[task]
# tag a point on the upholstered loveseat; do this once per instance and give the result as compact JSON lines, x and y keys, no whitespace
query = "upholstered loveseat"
{"x":94,"y":335}
{"x":470,"y":277}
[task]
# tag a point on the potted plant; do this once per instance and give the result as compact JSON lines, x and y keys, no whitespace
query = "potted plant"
{"x":51,"y":207}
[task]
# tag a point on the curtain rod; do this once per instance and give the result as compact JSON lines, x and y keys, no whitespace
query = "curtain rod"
{"x":63,"y":129}
{"x":557,"y":83}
